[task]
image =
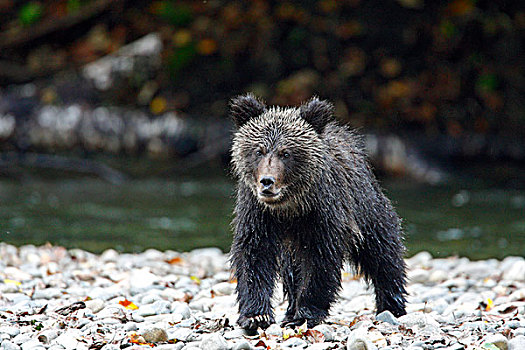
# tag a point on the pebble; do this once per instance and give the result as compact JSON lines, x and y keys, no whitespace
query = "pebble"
{"x":327,"y":331}
{"x":214,"y":342}
{"x":294,"y":343}
{"x":517,"y":343}
{"x":155,"y":335}
{"x":388,"y":317}
{"x":242,"y":344}
{"x":499,"y":340}
{"x":7,"y":345}
{"x":191,"y":304}
{"x":357,"y":340}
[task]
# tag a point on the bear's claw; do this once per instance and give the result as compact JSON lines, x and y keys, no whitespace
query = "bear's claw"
{"x":255,"y":322}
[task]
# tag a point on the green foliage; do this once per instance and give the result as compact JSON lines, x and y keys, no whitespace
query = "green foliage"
{"x":30,"y":13}
{"x":73,"y":5}
{"x":174,"y":12}
{"x":487,"y":82}
{"x":181,"y":58}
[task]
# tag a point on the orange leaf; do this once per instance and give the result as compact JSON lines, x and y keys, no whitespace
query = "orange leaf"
{"x":139,"y":340}
{"x":128,"y":304}
{"x":175,"y":260}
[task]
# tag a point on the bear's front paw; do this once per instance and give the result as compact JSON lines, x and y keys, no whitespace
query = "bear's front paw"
{"x":312,"y":315}
{"x":252,"y":323}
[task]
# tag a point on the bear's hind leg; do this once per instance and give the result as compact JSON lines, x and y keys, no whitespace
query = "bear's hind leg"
{"x":385,"y":268}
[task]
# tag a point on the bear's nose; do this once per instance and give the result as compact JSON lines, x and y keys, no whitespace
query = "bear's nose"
{"x":267,"y":181}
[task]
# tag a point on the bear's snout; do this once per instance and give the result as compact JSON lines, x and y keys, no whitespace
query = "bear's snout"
{"x":267,"y":182}
{"x":269,"y":173}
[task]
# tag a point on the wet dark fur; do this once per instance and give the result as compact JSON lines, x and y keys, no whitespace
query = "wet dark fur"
{"x":334,"y":211}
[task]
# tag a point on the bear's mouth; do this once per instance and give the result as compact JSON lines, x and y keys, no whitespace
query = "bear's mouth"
{"x":268,"y":196}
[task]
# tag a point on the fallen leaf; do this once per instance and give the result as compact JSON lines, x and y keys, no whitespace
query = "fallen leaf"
{"x":196,"y":279}
{"x":8,"y":281}
{"x":128,"y":304}
{"x":287,"y":333}
{"x":139,"y":340}
{"x":314,"y":336}
{"x":490,"y":304}
{"x":263,"y":344}
{"x":175,"y":260}
{"x":508,"y":309}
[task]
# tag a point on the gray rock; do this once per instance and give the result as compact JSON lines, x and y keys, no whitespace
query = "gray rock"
{"x":327,"y":331}
{"x":68,"y":339}
{"x":519,"y":331}
{"x":95,"y":305}
{"x":516,"y":272}
{"x":146,"y":310}
{"x":237,"y":333}
{"x":181,"y":308}
{"x":47,"y":336}
{"x":388,"y":317}
{"x":32,"y":344}
{"x":420,"y":259}
{"x":418,"y":275}
{"x":357,"y":340}
{"x":176,"y":346}
{"x":294,"y":343}
{"x":275,"y":330}
{"x":12,"y":331}
{"x":224,"y":288}
{"x":242,"y":344}
{"x":130,"y":326}
{"x":214,"y":342}
{"x":137,"y":318}
{"x":180,"y":333}
{"x":322,"y":346}
{"x":59,"y":347}
{"x":48,"y":293}
{"x":155,"y":335}
{"x":514,"y":324}
{"x":420,"y":323}
{"x":110,"y":347}
{"x":456,"y":346}
{"x":517,"y":343}
{"x":21,"y":338}
{"x":499,"y":340}
{"x":161,"y":307}
{"x":192,"y":347}
{"x":7,"y":345}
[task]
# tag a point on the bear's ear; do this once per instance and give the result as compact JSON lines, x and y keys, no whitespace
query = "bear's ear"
{"x":245,"y":107}
{"x":317,"y":113}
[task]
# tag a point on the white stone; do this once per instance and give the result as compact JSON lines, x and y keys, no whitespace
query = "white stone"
{"x":95,"y":305}
{"x":517,"y":343}
{"x":224,"y":288}
{"x":499,"y":340}
{"x":214,"y":342}
{"x":516,"y":272}
{"x":357,"y":340}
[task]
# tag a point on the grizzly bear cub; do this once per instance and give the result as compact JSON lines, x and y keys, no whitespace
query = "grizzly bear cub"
{"x":306,"y":202}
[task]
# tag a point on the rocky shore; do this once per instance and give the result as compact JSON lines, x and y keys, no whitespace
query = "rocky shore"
{"x":54,"y":298}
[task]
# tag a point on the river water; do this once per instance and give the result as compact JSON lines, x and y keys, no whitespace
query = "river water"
{"x":189,"y":211}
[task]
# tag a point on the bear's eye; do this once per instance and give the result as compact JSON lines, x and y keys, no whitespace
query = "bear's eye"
{"x":286,"y":154}
{"x":258,"y":153}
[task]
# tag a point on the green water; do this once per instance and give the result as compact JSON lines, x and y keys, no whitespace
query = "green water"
{"x":195,"y":211}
